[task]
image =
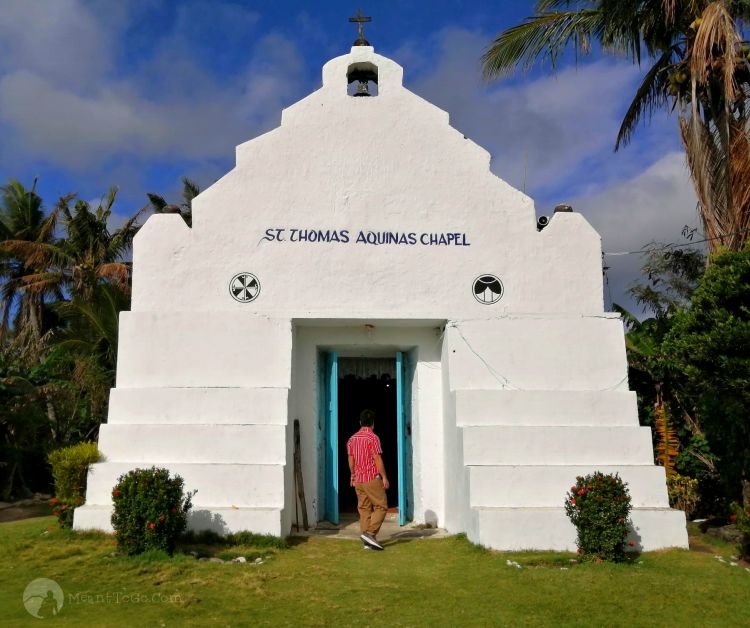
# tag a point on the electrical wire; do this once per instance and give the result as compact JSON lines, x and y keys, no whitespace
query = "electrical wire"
{"x":672,"y":245}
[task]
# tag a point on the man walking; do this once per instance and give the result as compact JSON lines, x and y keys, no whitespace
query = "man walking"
{"x":368,"y":479}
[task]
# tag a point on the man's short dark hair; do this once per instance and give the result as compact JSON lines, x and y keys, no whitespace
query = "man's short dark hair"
{"x":367,"y":418}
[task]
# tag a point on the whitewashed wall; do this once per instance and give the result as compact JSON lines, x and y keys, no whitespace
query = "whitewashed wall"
{"x":385,"y":163}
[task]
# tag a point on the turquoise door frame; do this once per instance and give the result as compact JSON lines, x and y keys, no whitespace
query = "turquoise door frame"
{"x":331,"y":436}
{"x":403,"y":437}
{"x":328,"y":487}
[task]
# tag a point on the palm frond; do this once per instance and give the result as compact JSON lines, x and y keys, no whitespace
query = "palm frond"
{"x":544,"y":36}
{"x":715,"y":43}
{"x":63,"y":205}
{"x":111,"y":196}
{"x":122,"y":238}
{"x":629,"y":319}
{"x":651,"y":95}
{"x":190,"y":190}
{"x":157,"y":202}
{"x":705,"y":162}
{"x":36,"y":254}
{"x":43,"y":282}
{"x":116,"y":272}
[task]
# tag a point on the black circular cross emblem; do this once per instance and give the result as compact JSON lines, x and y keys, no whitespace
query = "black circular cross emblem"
{"x":244,"y":287}
{"x":487,"y":289}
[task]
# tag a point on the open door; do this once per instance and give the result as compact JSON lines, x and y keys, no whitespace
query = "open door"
{"x":331,"y":436}
{"x":403,"y":432}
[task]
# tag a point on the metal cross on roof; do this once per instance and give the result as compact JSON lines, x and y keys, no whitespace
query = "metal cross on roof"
{"x":360,"y":19}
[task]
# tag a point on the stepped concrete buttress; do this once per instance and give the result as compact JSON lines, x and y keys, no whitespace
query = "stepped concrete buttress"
{"x":531,"y":416}
{"x":175,"y":407}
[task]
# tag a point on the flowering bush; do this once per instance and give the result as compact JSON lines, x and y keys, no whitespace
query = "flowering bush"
{"x":70,"y":466}
{"x":150,"y":510}
{"x":599,"y":505}
{"x":741,"y":517}
{"x":63,"y":509}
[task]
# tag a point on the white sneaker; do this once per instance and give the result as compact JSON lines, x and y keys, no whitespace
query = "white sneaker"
{"x":370,"y":541}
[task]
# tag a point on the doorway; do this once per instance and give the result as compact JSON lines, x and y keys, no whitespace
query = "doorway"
{"x":367,"y":384}
{"x":349,"y":386}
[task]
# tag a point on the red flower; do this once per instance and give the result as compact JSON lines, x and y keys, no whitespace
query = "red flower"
{"x":162,"y":517}
{"x":621,"y":520}
{"x":54,"y":500}
{"x":152,"y":525}
{"x":116,"y":492}
{"x":631,"y":543}
{"x":572,"y":489}
{"x":732,"y":518}
{"x":582,"y":492}
{"x":573,"y":501}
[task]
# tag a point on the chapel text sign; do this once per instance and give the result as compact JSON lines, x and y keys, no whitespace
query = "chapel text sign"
{"x":373,"y":238}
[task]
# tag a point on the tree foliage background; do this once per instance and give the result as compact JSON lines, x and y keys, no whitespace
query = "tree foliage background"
{"x":64,"y":279}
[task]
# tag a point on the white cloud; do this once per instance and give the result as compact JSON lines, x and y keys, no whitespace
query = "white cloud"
{"x":552,"y":132}
{"x":171,"y":105}
{"x":61,"y":40}
{"x":651,"y":207}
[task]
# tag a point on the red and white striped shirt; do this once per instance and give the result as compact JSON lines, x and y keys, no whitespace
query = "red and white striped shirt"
{"x":363,"y":446}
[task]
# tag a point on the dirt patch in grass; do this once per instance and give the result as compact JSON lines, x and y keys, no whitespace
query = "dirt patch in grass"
{"x":17,"y":513}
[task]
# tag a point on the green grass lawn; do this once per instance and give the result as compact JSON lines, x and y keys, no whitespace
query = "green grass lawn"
{"x":319,"y":581}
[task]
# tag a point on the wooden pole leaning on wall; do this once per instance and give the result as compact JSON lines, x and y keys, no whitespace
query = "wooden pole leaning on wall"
{"x":298,"y":481}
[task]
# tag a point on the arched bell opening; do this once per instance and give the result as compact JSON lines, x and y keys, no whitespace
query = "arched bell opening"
{"x":362,"y":79}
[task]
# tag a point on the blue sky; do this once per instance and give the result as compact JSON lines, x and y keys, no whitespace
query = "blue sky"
{"x":137,"y":93}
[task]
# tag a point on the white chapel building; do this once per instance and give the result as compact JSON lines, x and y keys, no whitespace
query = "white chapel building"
{"x":362,"y":255}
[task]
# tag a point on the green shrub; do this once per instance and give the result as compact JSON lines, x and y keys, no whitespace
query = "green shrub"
{"x":243,"y":537}
{"x":253,"y":539}
{"x":599,"y":505}
{"x":683,"y":493}
{"x":70,"y":466}
{"x":150,"y":510}
{"x":741,"y":517}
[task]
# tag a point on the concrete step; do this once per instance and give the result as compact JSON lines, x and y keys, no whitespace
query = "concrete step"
{"x":519,"y":529}
{"x":219,"y":520}
{"x":546,"y":486}
{"x":227,"y":485}
{"x":211,"y":406}
{"x":546,"y":407}
{"x":511,"y":445}
{"x":225,"y":444}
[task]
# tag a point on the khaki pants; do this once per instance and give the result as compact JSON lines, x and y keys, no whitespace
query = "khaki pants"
{"x":372,"y":505}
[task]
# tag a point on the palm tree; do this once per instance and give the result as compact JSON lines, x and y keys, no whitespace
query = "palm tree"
{"x":699,"y":66}
{"x":87,"y":338}
{"x":190,"y":190}
{"x":22,"y":220}
{"x":88,"y":254}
